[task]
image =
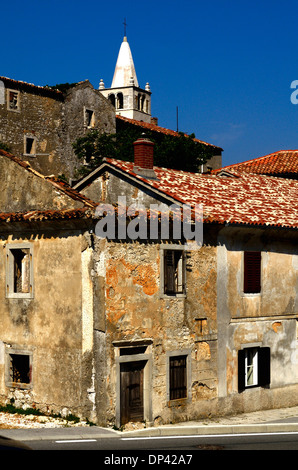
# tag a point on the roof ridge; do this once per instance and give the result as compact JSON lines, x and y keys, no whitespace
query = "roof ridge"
{"x":165,"y":130}
{"x":256,"y":159}
{"x":62,"y":186}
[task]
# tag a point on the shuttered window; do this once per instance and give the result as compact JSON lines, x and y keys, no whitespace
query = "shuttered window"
{"x":174,"y":282}
{"x":253,"y":368}
{"x":178,"y":378}
{"x":252,"y":272}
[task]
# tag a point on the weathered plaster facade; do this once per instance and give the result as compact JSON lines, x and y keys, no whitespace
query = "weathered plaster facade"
{"x":266,"y":319}
{"x":98,"y":309}
{"x":48,"y":327}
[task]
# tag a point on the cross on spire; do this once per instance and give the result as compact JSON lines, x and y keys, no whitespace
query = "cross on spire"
{"x":125,"y":24}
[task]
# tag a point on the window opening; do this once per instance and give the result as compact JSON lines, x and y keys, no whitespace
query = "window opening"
{"x":253,"y":367}
{"x":252,"y":272}
{"x":178,"y":378}
{"x":119,"y":101}
{"x":20,"y":370}
{"x":13,"y":100}
{"x":112,"y":99}
{"x":30,"y":146}
{"x":89,"y":118}
{"x":21,"y":271}
{"x":173,"y":272}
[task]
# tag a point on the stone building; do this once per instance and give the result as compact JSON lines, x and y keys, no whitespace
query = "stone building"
{"x":115,"y":327}
{"x":40,"y":124}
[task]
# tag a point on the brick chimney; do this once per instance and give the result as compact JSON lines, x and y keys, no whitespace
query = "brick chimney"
{"x":143,"y":157}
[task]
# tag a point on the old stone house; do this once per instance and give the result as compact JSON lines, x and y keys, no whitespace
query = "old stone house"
{"x":120,"y":328}
{"x":40,"y":124}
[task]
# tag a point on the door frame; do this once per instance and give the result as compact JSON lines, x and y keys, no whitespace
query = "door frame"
{"x":147,"y":384}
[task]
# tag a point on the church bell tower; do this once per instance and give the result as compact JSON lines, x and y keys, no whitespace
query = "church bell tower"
{"x":125,"y":94}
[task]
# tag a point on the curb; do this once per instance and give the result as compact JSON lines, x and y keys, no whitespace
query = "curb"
{"x":211,"y":430}
{"x":162,"y":431}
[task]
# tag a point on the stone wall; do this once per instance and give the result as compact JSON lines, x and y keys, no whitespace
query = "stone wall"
{"x":53,"y":121}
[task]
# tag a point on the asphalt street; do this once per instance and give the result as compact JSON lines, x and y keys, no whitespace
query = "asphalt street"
{"x":272,"y":430}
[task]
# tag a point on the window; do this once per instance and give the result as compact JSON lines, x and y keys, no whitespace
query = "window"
{"x":119,"y":101}
{"x":253,"y":367}
{"x":252,"y":272}
{"x":18,"y":369}
{"x":178,"y":377}
{"x":112,"y":99}
{"x":13,"y":100}
{"x":29,"y":145}
{"x":173,"y":270}
{"x":19,"y":272}
{"x":89,"y":118}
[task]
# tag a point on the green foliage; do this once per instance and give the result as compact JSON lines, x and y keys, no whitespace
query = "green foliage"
{"x":5,"y":147}
{"x":10,"y":408}
{"x":63,"y":87}
{"x":182,"y":153}
{"x":178,"y":152}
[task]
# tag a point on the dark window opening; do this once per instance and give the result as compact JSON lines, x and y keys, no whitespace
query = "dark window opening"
{"x":252,"y":272}
{"x":13,"y":97}
{"x":129,"y":351}
{"x":178,"y":378}
{"x":30,"y":146}
{"x":119,"y":101}
{"x":20,"y":370}
{"x":174,"y":272}
{"x":89,"y":118}
{"x":253,"y":368}
{"x":112,"y":99}
{"x":21,"y":270}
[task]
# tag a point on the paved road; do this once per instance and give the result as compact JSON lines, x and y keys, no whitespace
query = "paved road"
{"x":171,"y":445}
{"x":274,"y":430}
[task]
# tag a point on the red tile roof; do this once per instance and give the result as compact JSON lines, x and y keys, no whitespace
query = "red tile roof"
{"x":241,"y":199}
{"x":34,"y":216}
{"x":281,"y":163}
{"x":160,"y":130}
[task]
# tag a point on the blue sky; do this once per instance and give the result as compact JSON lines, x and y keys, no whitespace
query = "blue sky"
{"x":227,"y":65}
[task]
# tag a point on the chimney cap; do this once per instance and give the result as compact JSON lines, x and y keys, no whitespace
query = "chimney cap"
{"x":143,"y":157}
{"x":144,"y":138}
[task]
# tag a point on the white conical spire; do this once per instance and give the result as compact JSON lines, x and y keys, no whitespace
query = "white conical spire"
{"x":125,"y":69}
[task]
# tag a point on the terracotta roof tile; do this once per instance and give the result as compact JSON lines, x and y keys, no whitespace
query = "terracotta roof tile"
{"x":160,"y":130}
{"x":241,"y":199}
{"x":31,"y":216}
{"x":281,"y":163}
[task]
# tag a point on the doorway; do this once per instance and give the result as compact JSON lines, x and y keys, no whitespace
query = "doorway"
{"x":132,"y":391}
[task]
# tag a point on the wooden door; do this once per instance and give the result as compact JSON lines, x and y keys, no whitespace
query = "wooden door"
{"x":131,"y":389}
